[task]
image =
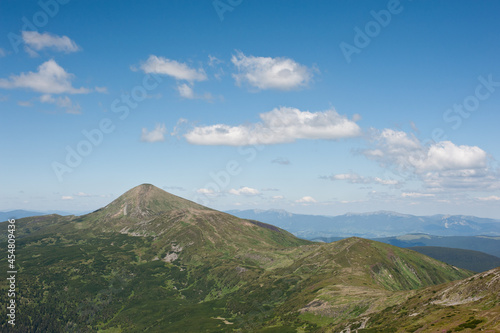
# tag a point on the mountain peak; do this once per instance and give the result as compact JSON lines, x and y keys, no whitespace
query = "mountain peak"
{"x":147,"y":200}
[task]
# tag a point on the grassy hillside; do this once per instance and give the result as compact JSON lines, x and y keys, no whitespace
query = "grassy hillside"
{"x":150,"y":261}
{"x":469,"y":305}
{"x":472,"y":260}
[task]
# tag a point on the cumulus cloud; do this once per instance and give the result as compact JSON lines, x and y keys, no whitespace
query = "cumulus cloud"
{"x":177,"y":70}
{"x":62,"y":102}
{"x":67,"y":197}
{"x":441,"y":165}
{"x":37,"y":41}
{"x":281,"y":125}
{"x":447,"y":156}
{"x":406,"y":151}
{"x":244,"y":191}
{"x":306,"y":199}
{"x":49,"y":79}
{"x":270,"y":73}
{"x":156,"y":135}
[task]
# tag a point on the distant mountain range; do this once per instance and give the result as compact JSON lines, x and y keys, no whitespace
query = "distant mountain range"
{"x":486,"y":244}
{"x":373,"y":225}
{"x":20,"y":213}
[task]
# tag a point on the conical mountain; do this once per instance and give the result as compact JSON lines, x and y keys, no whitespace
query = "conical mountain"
{"x":147,"y":200}
{"x":148,"y":211}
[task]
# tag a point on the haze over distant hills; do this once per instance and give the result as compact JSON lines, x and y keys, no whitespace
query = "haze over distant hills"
{"x":373,"y":225}
{"x":152,"y":261}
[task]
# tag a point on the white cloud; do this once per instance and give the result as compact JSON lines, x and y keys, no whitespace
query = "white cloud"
{"x":350,"y":177}
{"x":213,"y":61}
{"x":31,"y":52}
{"x":306,"y":199}
{"x":350,"y":201}
{"x":37,"y":41}
{"x":185,"y":91}
{"x":447,"y":156}
{"x":270,"y":73}
{"x":62,"y":102}
{"x":281,"y":160}
{"x":180,"y":71}
{"x":208,"y":192}
{"x":244,"y":191}
{"x":354,"y":178}
{"x":67,"y":197}
{"x":490,"y":198}
{"x":278,"y":197}
{"x":385,"y":181}
{"x":440,"y":165}
{"x":396,"y":139}
{"x":416,"y":195}
{"x":156,"y":135}
{"x":50,"y":79}
{"x":86,"y":195}
{"x":174,"y":188}
{"x":102,"y":90}
{"x":2,"y":53}
{"x":406,"y":151}
{"x":178,"y":126}
{"x":281,"y":125}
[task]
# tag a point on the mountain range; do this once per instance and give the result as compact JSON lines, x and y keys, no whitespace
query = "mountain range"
{"x":373,"y":225}
{"x":152,"y":261}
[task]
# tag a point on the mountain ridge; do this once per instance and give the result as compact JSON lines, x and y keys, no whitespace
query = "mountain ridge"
{"x":153,"y":261}
{"x":374,"y":224}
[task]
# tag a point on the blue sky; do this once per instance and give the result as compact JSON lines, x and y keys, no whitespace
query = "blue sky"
{"x":320,"y":107}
